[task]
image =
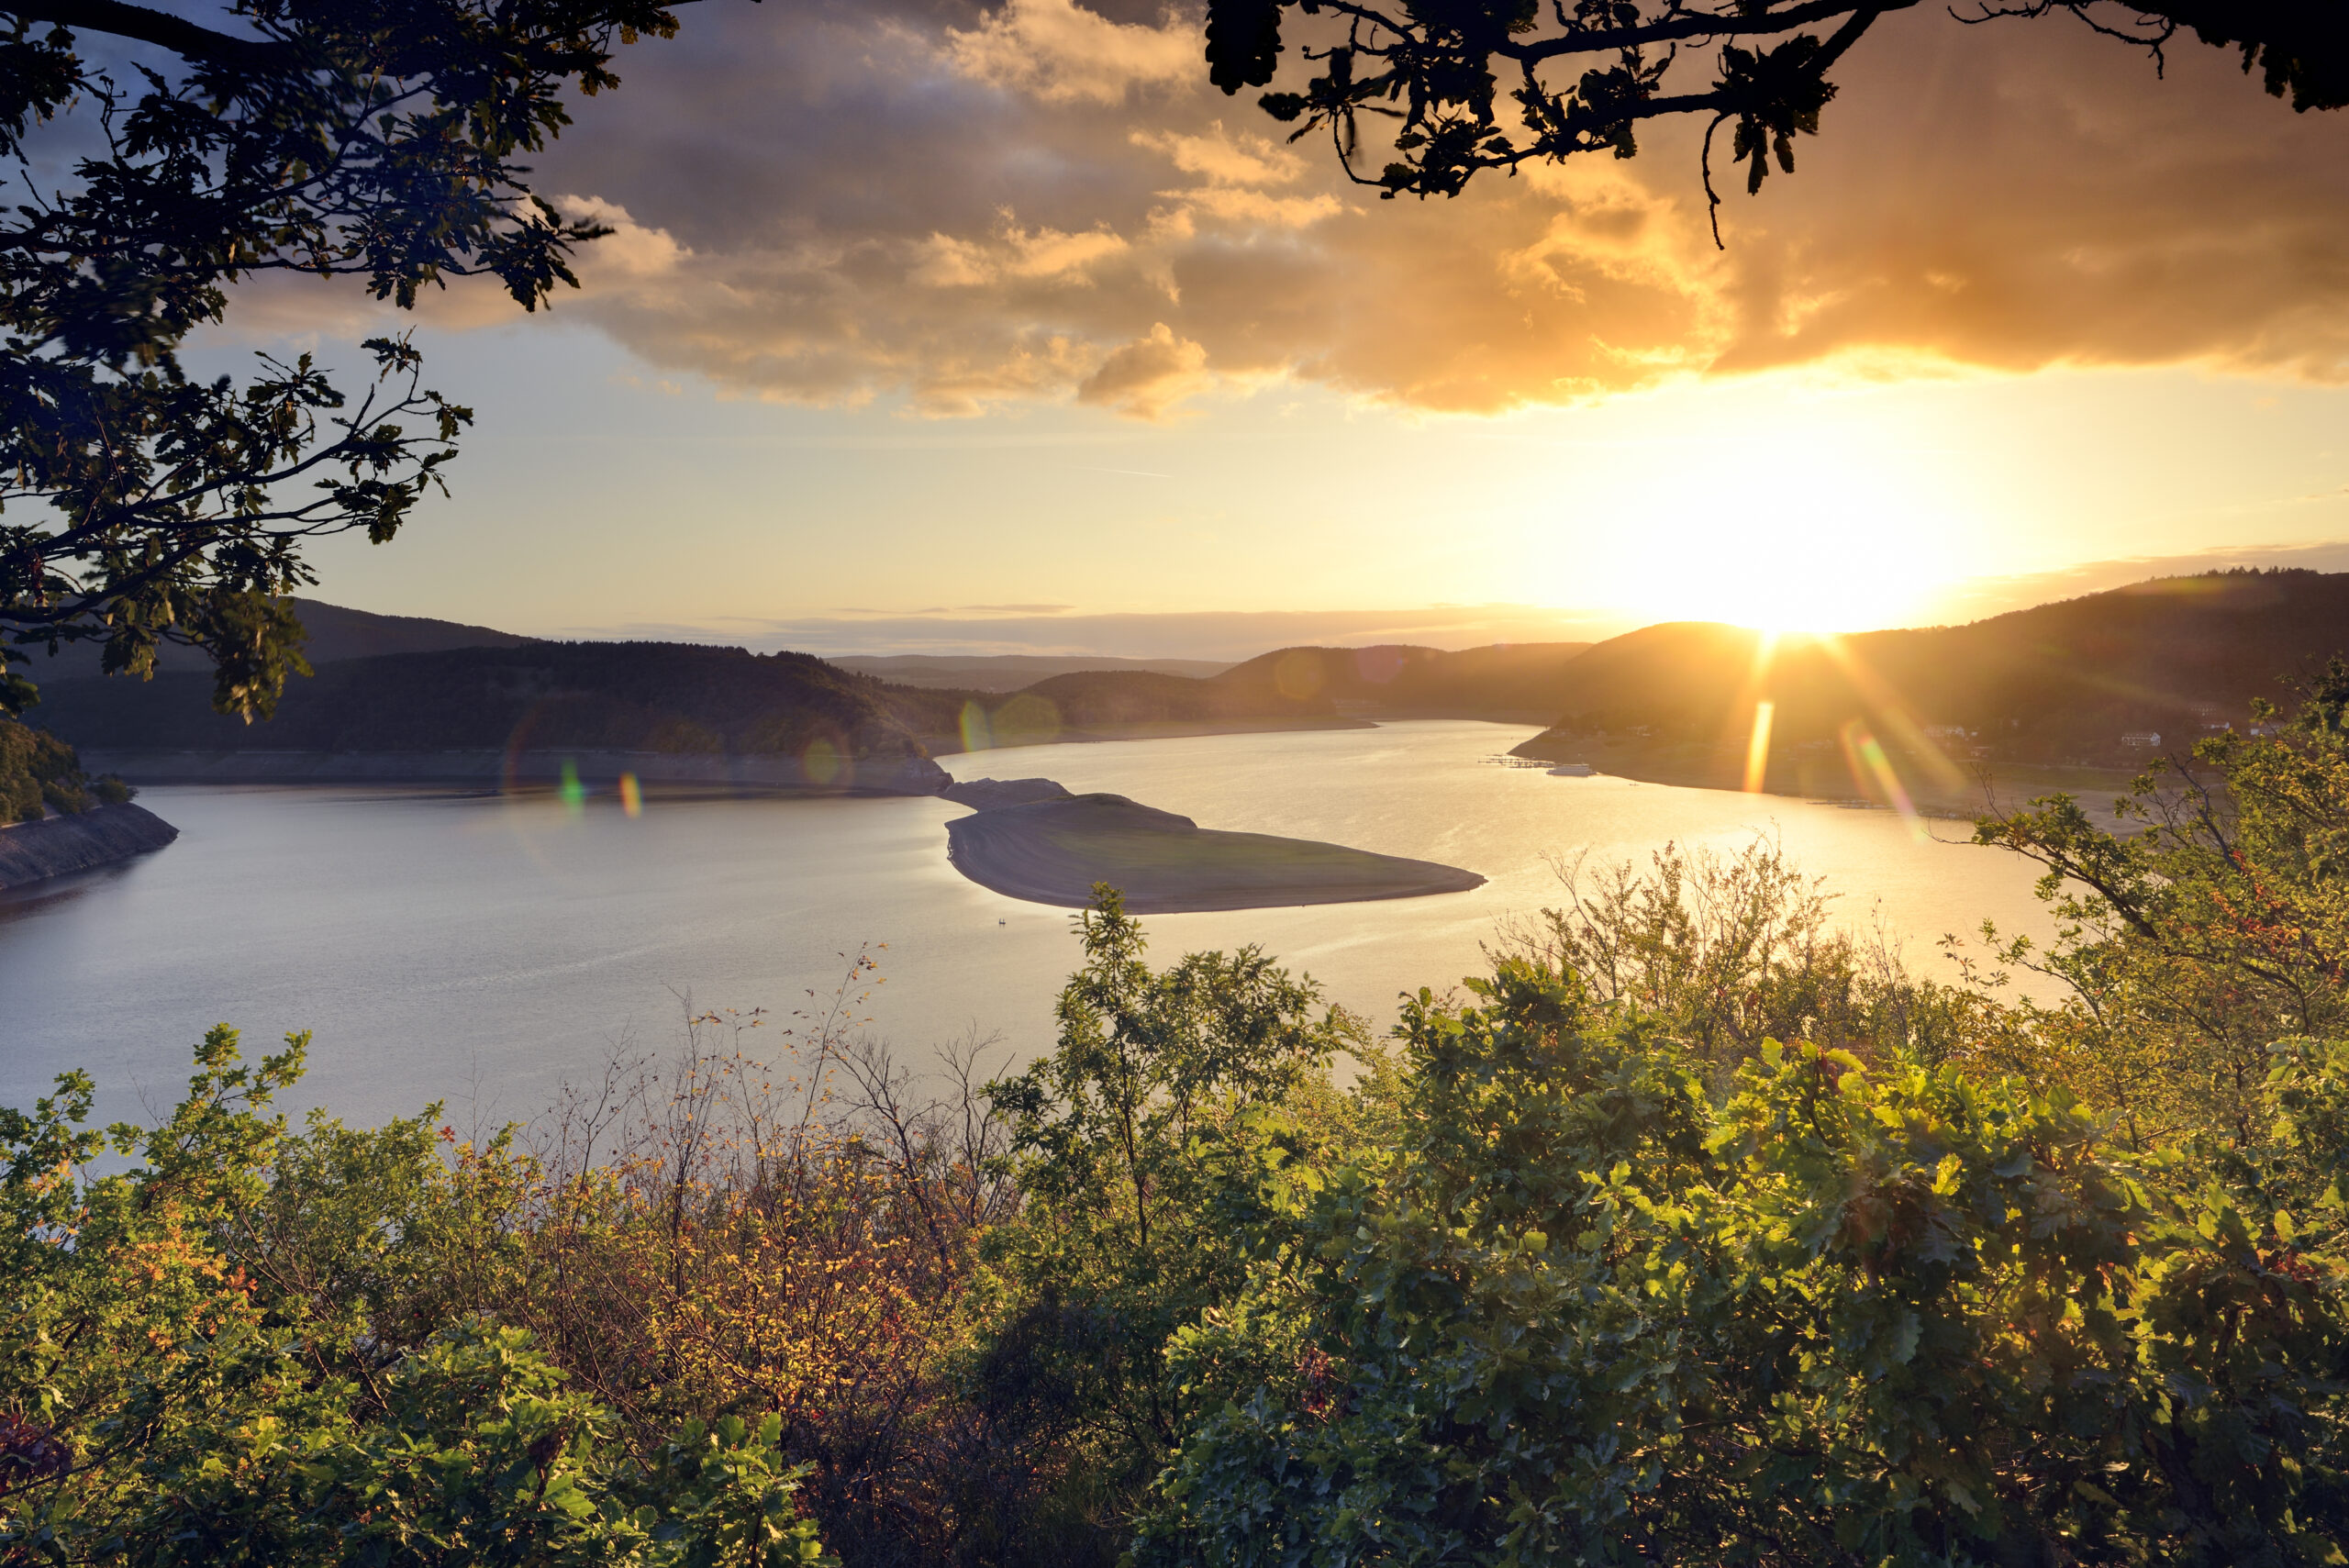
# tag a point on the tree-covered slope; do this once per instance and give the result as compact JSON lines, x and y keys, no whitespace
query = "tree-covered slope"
{"x":588,"y":695}
{"x":2059,"y":682}
{"x":40,"y":774}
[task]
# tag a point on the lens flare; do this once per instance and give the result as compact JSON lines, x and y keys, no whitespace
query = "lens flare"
{"x":1026,"y":720}
{"x":1299,"y":675}
{"x":1757,"y":748}
{"x":1892,"y":710}
{"x":631,"y":796}
{"x":821,"y":760}
{"x":1872,"y":772}
{"x":977,"y":734}
{"x":571,"y":791}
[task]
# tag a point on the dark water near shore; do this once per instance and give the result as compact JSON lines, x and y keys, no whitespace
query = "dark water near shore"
{"x":478,"y":949}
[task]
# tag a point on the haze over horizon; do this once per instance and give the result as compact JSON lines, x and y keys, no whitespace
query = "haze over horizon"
{"x":937,"y":326}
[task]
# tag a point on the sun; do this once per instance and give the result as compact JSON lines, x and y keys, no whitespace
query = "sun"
{"x":1837,"y":544}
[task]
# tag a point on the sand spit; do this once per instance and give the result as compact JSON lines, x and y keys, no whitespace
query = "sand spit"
{"x":1051,"y":850}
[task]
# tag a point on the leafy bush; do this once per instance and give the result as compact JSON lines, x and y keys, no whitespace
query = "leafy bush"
{"x":2215,"y":922}
{"x":166,"y":1403}
{"x":1136,"y":1143}
{"x":1581,"y":1313}
{"x":40,"y":774}
{"x":1726,"y":951}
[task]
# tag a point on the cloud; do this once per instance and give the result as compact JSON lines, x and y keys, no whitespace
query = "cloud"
{"x":1222,"y":159}
{"x":1059,"y":52}
{"x":963,"y":207}
{"x":1147,"y":375}
{"x":630,"y":250}
{"x":1015,"y":254}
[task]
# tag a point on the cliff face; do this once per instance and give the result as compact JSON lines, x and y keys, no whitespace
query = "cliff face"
{"x":30,"y":851}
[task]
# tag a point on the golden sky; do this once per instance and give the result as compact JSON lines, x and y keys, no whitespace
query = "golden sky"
{"x":929,"y":323}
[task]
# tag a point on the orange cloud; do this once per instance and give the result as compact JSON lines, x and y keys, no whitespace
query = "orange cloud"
{"x":964,"y":207}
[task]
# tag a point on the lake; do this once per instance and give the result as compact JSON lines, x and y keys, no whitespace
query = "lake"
{"x":479,"y":949}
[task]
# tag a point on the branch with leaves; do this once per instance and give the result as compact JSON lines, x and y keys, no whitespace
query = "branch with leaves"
{"x":379,"y":139}
{"x":1583,"y":75}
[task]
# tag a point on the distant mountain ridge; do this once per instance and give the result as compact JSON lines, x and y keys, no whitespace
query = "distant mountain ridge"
{"x":1520,"y":678}
{"x":2086,"y":681}
{"x":1009,"y":672}
{"x":605,"y":698}
{"x":334,"y":633}
{"x":2090,"y":681}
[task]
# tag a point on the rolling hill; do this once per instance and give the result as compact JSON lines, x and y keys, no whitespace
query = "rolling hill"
{"x":2105,"y":681}
{"x":336,"y":633}
{"x":1512,"y":679}
{"x":528,"y":700}
{"x":1008,"y":672}
{"x":2089,"y":683}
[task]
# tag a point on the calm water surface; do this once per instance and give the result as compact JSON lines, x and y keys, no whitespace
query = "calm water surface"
{"x":478,"y":950}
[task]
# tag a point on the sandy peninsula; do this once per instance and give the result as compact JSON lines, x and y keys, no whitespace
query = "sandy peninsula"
{"x":1052,"y":850}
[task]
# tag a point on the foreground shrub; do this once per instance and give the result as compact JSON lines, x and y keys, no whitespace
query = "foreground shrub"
{"x":1137,"y":1143}
{"x":2209,"y":920}
{"x":1723,"y":952}
{"x":161,"y":1402}
{"x":1582,"y":1314}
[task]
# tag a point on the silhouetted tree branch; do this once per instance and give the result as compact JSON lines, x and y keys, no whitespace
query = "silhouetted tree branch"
{"x":371,"y":137}
{"x":1441,"y":69}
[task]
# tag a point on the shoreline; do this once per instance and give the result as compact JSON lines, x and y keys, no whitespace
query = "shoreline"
{"x":1823,"y":779}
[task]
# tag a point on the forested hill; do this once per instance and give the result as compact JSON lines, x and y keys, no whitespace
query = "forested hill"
{"x":1521,"y":677}
{"x":2063,"y":681}
{"x":333,"y":633}
{"x":1009,"y":672}
{"x":680,"y":697}
{"x":1521,"y":680}
{"x":2085,"y":680}
{"x":624,"y":697}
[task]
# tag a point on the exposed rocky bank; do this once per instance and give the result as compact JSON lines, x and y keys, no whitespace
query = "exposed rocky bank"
{"x":34,"y":851}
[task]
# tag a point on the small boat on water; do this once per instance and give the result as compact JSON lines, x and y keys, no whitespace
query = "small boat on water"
{"x":1571,"y":771}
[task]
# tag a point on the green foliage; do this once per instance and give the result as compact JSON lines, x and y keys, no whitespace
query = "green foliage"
{"x":2214,"y":922}
{"x":190,"y":1372}
{"x":1725,"y":951}
{"x":40,"y":774}
{"x":1581,"y":1314}
{"x":1139,"y":1144}
{"x":1583,"y":1272}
